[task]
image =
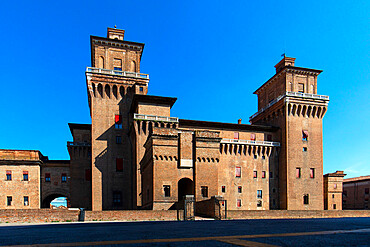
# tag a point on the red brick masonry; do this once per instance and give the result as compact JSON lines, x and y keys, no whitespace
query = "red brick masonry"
{"x":38,"y":215}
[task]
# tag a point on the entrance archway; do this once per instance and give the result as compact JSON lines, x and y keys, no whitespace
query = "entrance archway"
{"x":46,"y":202}
{"x":185,"y":187}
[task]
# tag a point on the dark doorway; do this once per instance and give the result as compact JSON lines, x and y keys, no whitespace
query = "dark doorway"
{"x":185,"y":187}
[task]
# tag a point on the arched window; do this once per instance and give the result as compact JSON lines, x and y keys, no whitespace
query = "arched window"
{"x":93,"y":88}
{"x":101,"y":62}
{"x":133,"y":66}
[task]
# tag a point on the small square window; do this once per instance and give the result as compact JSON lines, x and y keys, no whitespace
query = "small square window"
{"x":254,"y":174}
{"x":118,"y":139}
{"x":118,"y":122}
{"x":141,"y":89}
{"x":119,"y":164}
{"x":223,"y":189}
{"x":204,"y":190}
{"x":306,"y":199}
{"x":298,"y":172}
{"x":263,"y":174}
{"x":334,"y":206}
{"x":253,"y":137}
{"x":25,"y":201}
{"x":312,"y":172}
{"x":238,"y":203}
{"x":239,"y":189}
{"x":64,"y":177}
{"x":167,"y":190}
{"x":304,"y":149}
{"x":263,"y":157}
{"x":47,"y":177}
{"x":9,"y":175}
{"x":259,"y":203}
{"x":238,"y":172}
{"x":9,"y":200}
{"x":259,"y":194}
{"x":332,"y":196}
{"x":25,"y":175}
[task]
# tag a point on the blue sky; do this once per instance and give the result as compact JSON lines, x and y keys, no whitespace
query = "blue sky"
{"x":211,"y":55}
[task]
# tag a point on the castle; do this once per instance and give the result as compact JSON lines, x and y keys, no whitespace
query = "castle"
{"x":135,"y":155}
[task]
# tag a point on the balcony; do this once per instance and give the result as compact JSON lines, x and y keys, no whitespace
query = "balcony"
{"x":117,"y":73}
{"x":250,"y":142}
{"x":291,"y":94}
{"x":78,"y":144}
{"x":155,"y":118}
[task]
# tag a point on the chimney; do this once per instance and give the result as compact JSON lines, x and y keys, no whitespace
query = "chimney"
{"x":239,"y":121}
{"x":286,"y":61}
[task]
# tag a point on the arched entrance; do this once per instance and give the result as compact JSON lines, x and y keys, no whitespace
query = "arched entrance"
{"x":46,"y":202}
{"x":185,"y":187}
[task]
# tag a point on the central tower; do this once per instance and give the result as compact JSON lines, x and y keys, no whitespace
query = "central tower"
{"x":112,"y":81}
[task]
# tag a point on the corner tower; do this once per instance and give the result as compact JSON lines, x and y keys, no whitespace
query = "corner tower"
{"x":112,"y":81}
{"x":289,"y":100}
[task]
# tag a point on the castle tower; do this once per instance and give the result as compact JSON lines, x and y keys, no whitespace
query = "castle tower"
{"x":112,"y":81}
{"x":289,"y":100}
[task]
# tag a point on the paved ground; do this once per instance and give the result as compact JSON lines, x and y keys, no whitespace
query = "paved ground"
{"x":299,"y":232}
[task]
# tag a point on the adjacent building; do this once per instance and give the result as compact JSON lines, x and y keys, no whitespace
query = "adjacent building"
{"x":356,"y":193}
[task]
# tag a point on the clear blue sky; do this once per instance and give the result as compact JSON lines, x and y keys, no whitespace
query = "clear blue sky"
{"x":211,"y":55}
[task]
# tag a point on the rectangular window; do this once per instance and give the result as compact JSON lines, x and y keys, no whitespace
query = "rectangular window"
{"x":118,"y":122}
{"x":117,"y":64}
{"x":117,"y":198}
{"x":300,"y":87}
{"x":305,"y":199}
{"x":335,"y":186}
{"x":239,"y":189}
{"x":263,"y":174}
{"x":238,"y":172}
{"x":9,"y":200}
{"x":253,"y":137}
{"x":238,"y":203}
{"x":47,"y":177}
{"x":204,"y":190}
{"x":25,"y":201}
{"x":259,"y":194}
{"x":304,"y":135}
{"x":298,"y":172}
{"x":64,"y":177}
{"x":88,"y":175}
{"x":312,"y":172}
{"x":8,"y":175}
{"x":25,"y":175}
{"x":254,"y":174}
{"x":366,"y":191}
{"x":119,"y":165}
{"x":236,"y":135}
{"x":334,"y":206}
{"x":333,"y":196}
{"x":118,"y":139}
{"x":167,"y":190}
{"x":259,"y":203}
{"x":304,"y":149}
{"x":141,"y":89}
{"x":223,"y":189}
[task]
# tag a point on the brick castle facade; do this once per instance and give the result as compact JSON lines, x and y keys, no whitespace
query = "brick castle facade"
{"x":135,"y":155}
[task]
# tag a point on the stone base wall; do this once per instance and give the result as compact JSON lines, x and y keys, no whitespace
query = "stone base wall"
{"x":131,"y":215}
{"x":38,"y":215}
{"x":295,"y":214}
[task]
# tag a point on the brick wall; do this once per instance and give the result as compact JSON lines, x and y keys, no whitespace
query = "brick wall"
{"x":131,"y":215}
{"x":38,"y":215}
{"x":293,"y":214}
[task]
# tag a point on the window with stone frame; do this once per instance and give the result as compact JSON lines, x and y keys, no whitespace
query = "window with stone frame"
{"x":306,"y":199}
{"x":167,"y":190}
{"x":204,"y":191}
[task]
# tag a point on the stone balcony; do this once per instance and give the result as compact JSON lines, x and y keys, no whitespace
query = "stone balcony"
{"x":155,"y":118}
{"x":117,"y":73}
{"x":291,"y":94}
{"x":250,"y":142}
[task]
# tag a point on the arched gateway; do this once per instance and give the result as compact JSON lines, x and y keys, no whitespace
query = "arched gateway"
{"x":185,"y":187}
